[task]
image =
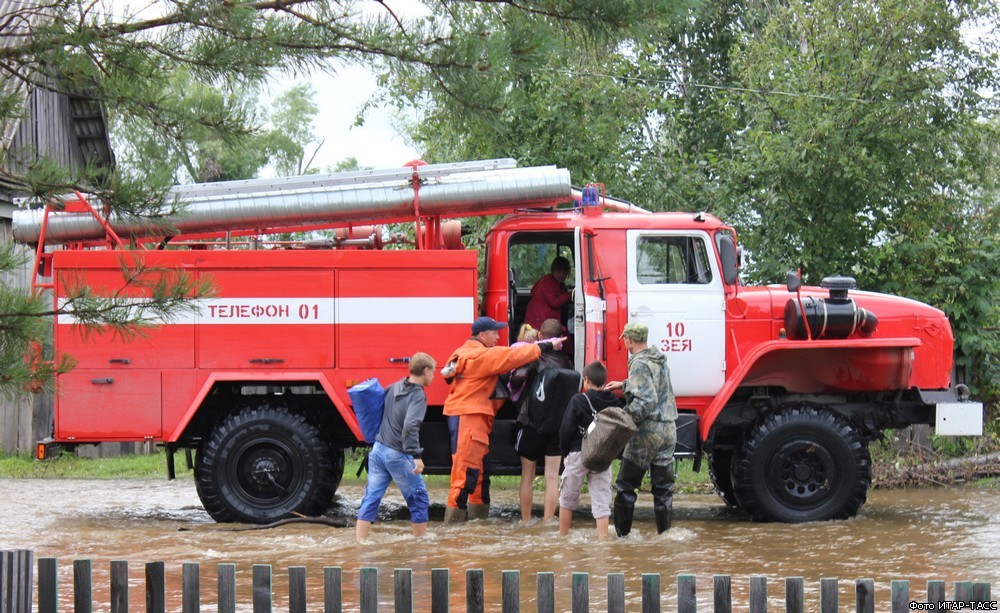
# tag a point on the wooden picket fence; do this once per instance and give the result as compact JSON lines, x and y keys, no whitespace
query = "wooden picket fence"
{"x":16,"y":595}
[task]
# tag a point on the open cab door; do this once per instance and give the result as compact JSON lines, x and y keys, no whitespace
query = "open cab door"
{"x":589,"y":306}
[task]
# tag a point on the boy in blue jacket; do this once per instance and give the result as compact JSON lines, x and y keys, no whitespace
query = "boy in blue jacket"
{"x":395,"y":456}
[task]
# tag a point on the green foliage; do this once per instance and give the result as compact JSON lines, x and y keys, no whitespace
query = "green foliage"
{"x":292,"y":131}
{"x":199,"y":141}
{"x":867,"y":154}
{"x":845,"y":138}
{"x":858,"y":116}
{"x":146,"y":297}
{"x":530,"y":92}
{"x":23,"y":328}
{"x":180,"y":81}
{"x":201,"y":132}
{"x":347,"y":164}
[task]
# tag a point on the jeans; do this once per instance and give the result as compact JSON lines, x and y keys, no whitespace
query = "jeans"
{"x":385,"y":465}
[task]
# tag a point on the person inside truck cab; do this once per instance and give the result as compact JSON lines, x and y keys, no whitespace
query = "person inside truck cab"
{"x":548,"y":295}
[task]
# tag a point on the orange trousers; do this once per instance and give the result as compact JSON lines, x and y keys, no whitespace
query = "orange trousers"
{"x":472,"y":445}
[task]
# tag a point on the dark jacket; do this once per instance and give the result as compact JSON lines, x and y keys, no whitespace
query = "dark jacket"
{"x":405,"y":406}
{"x":522,"y":378}
{"x":578,"y":417}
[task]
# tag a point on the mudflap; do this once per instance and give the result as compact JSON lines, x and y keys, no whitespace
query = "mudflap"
{"x":688,"y":444}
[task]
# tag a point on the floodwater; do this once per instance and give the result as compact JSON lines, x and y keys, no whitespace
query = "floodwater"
{"x":950,"y":534}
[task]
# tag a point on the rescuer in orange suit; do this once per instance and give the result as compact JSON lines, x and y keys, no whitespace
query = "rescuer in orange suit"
{"x":473,"y":370}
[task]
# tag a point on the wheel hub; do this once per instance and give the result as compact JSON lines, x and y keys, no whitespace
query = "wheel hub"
{"x":263,"y":463}
{"x":803,"y":472}
{"x":264,"y":471}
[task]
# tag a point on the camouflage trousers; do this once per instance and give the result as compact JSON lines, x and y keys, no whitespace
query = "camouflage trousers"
{"x":652,"y":444}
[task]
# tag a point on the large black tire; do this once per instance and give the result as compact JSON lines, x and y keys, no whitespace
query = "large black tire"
{"x":264,"y":463}
{"x":337,"y":469}
{"x":802,"y":464}
{"x":720,"y":469}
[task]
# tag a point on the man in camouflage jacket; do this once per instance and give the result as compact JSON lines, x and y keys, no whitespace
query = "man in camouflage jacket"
{"x":650,"y":402}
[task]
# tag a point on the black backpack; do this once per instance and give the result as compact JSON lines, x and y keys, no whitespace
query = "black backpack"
{"x":548,"y":395}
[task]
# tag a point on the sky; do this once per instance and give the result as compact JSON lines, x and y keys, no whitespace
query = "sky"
{"x":340,"y":96}
{"x":341,"y":93}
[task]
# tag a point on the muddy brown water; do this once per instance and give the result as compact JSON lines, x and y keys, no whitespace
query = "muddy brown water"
{"x":951,"y":534}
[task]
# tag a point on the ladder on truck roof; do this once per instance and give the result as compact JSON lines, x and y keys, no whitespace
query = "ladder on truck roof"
{"x":77,"y":206}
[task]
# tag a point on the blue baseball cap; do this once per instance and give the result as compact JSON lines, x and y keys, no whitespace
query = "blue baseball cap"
{"x":486,"y":323}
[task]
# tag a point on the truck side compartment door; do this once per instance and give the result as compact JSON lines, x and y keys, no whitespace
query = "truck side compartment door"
{"x":588,"y":302}
{"x":268,"y":319}
{"x":109,"y":405}
{"x":674,"y":287}
{"x":114,"y":393}
{"x":381,"y":313}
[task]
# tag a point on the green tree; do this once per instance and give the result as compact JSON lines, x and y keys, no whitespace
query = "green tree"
{"x":193,"y":150}
{"x":684,"y":70}
{"x":540,"y":95}
{"x":859,"y":119}
{"x":868,"y":152}
{"x":291,"y":131}
{"x":535,"y":93}
{"x":851,"y":138}
{"x":347,"y":164}
{"x":280,"y":136}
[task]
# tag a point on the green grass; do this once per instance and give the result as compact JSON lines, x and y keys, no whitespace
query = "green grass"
{"x":68,"y":466}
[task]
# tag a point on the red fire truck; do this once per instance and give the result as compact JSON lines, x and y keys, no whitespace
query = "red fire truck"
{"x":780,"y":388}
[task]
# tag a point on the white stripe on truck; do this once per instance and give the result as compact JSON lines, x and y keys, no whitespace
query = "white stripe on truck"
{"x":312,"y":311}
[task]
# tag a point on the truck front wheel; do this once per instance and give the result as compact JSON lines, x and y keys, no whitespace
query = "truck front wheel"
{"x":720,"y":465}
{"x":263,"y":463}
{"x":802,"y":464}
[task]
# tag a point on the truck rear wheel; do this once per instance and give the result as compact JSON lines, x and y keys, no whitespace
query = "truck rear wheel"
{"x":802,"y":464}
{"x":337,"y":470}
{"x":263,"y":463}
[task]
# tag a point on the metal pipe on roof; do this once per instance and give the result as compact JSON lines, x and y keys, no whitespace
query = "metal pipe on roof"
{"x":445,"y":190}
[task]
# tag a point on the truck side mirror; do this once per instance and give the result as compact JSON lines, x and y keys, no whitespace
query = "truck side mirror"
{"x":729,"y":257}
{"x":793,"y":281}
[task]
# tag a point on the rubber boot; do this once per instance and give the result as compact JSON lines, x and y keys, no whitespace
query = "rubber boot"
{"x":662,"y":482}
{"x":629,"y":478}
{"x":453,"y":515}
{"x":479,"y":511}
